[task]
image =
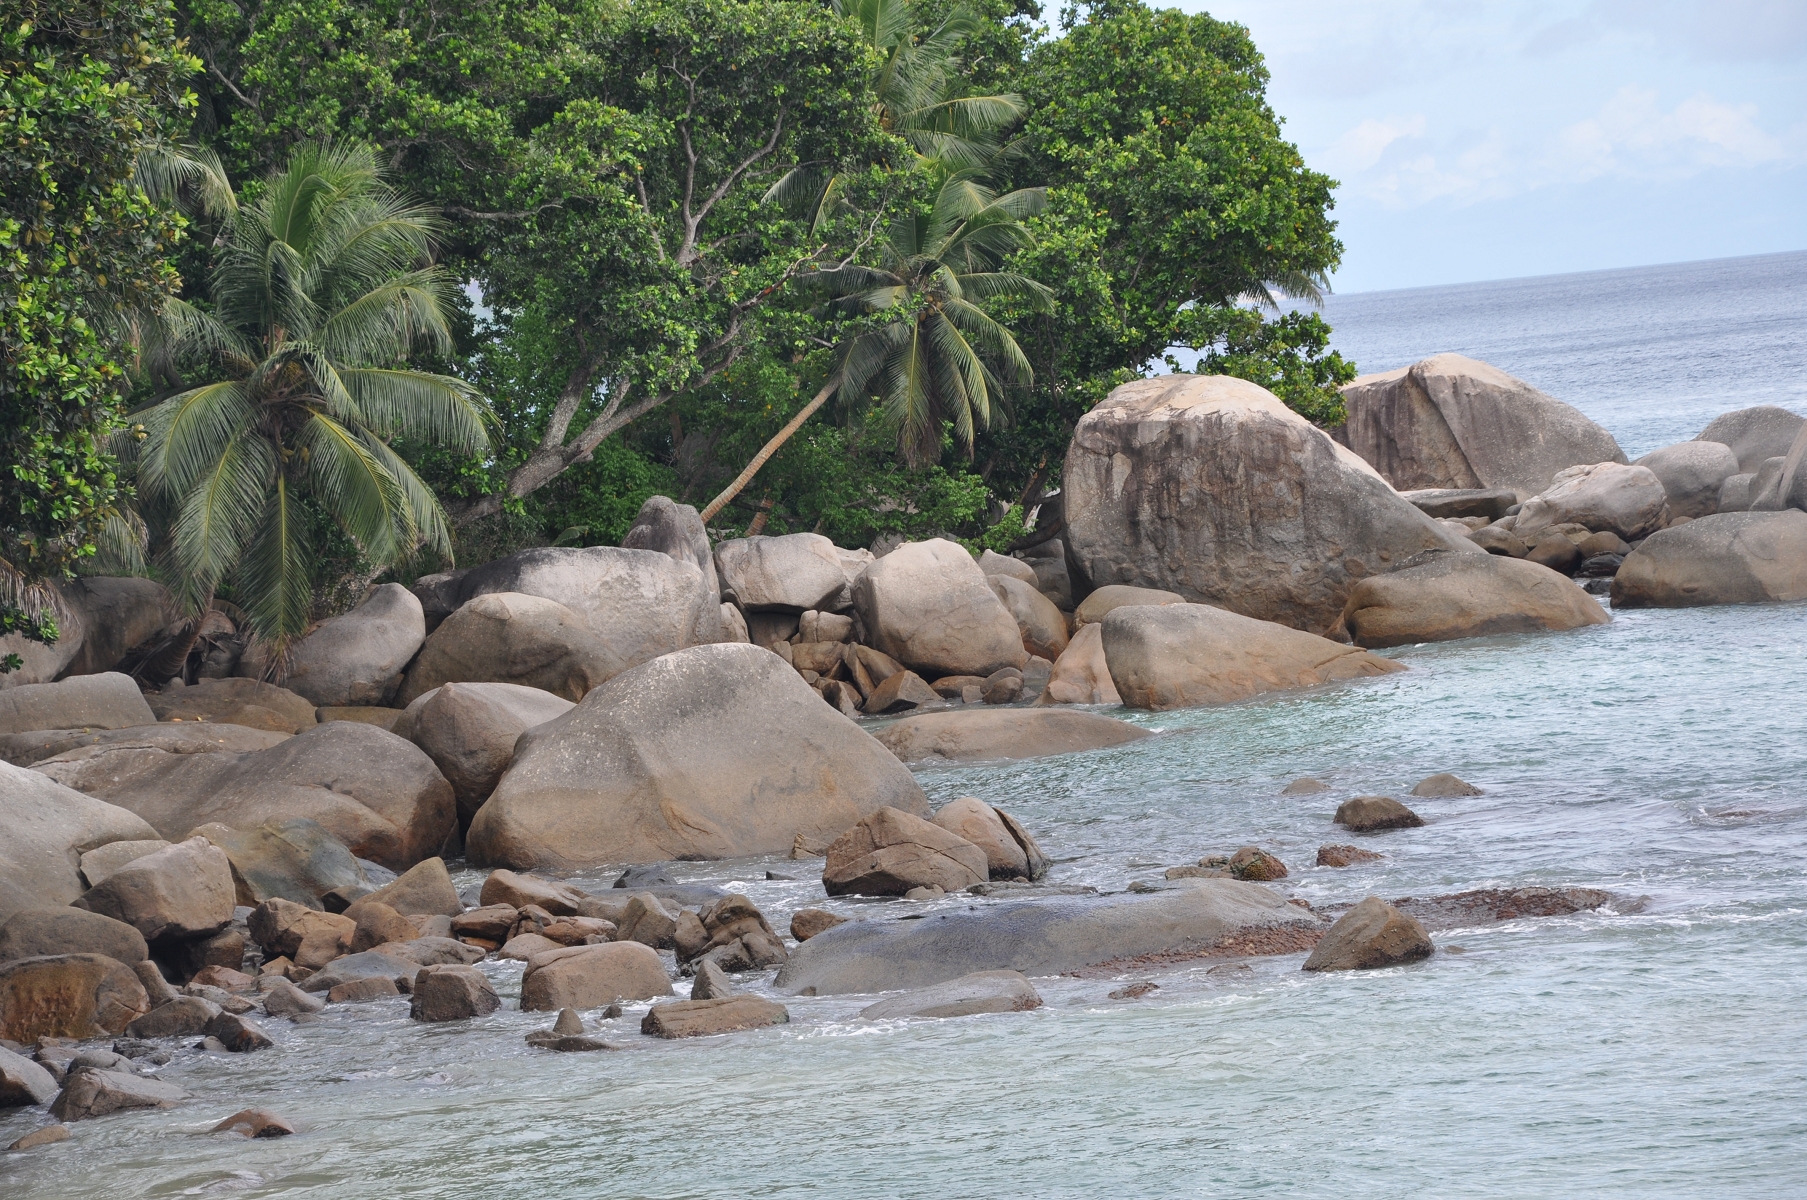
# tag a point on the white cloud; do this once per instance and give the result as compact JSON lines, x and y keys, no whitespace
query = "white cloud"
{"x":1361,"y":147}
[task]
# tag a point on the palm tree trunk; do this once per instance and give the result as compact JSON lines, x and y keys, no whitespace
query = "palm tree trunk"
{"x":771,"y":448}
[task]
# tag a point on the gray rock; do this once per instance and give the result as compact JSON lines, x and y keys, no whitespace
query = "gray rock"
{"x":1305,"y":785}
{"x":974,"y":735}
{"x":433,"y":951}
{"x":671,"y":528}
{"x":1454,"y":422}
{"x":1467,"y":595}
{"x":1372,"y":934}
{"x":792,"y":573}
{"x":1181,"y":655}
{"x":469,"y":730}
{"x":1766,"y":493}
{"x":641,"y":603}
{"x":1629,"y":501}
{"x":891,"y":852}
{"x":1445,"y":786}
{"x":296,"y":860}
{"x":358,"y":657}
{"x":452,"y":993}
{"x":185,"y":1016}
{"x":702,"y":1018}
{"x":24,"y":749}
{"x":426,"y":887}
{"x":176,"y":894}
{"x":734,"y":625}
{"x":712,"y":752}
{"x":1040,"y":937}
{"x":47,"y":1135}
{"x":248,"y":702}
{"x":1112,"y":596}
{"x":1737,"y":492}
{"x":1728,"y":558}
{"x":927,"y":605}
{"x":369,"y":965}
{"x":977,"y":822}
{"x":967,"y":996}
{"x":105,"y":701}
{"x":1042,"y":626}
{"x":711,"y":982}
{"x":35,"y":932}
{"x":1210,"y":487}
{"x":1754,"y":434}
{"x":48,"y":828}
{"x":238,"y":1035}
{"x":24,"y":1082}
{"x":516,"y":639}
{"x":379,"y":795}
{"x":1490,"y":503}
{"x":992,"y":563}
{"x":585,"y":977}
{"x":98,"y":1093}
{"x":102,"y":861}
{"x":1692,"y":475}
{"x":284,"y":999}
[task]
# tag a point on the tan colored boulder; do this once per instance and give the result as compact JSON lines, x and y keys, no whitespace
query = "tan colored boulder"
{"x":285,"y":929}
{"x":701,"y":1018}
{"x":102,"y":861}
{"x":1469,"y":595}
{"x":1444,"y":786}
{"x":806,"y":923}
{"x":107,"y":701}
{"x":296,"y":860}
{"x":993,"y":563}
{"x":176,"y":894}
{"x":1010,"y":852}
{"x":183,"y":1017}
{"x":890,"y":852}
{"x":1344,"y":856}
{"x":664,"y":525}
{"x":68,"y":995}
{"x":378,"y":924}
{"x":1454,"y":422}
{"x":370,"y":964}
{"x":927,"y":605}
{"x":592,"y":976}
{"x":814,"y":626}
{"x":973,"y":735}
{"x":1043,"y":627}
{"x":426,"y":887}
{"x":648,"y":921}
{"x":512,"y":638}
{"x":26,"y":749}
{"x":1256,"y":865}
{"x":1210,"y":487}
{"x":1182,"y":655}
{"x":248,"y":702}
{"x":519,"y":890}
{"x":380,"y":796}
{"x":712,"y":752}
{"x":1113,"y":596}
{"x":36,"y":932}
{"x":1692,"y":475}
{"x":1629,"y":501}
{"x":1727,"y":558}
{"x":792,"y":573}
{"x":1372,"y":934}
{"x":525,"y":947}
{"x":451,"y":992}
{"x":1081,"y":675}
{"x":469,"y":730}
{"x":358,"y":657}
{"x":47,"y":828}
{"x":900,"y":693}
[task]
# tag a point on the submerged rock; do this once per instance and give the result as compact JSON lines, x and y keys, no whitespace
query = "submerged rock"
{"x":255,"y":1123}
{"x":967,"y":996}
{"x":1344,"y":856}
{"x":971,"y":735}
{"x":1488,"y":905}
{"x":1041,"y":937}
{"x":1372,"y":934}
{"x":700,"y":1018}
{"x":1445,"y":786}
{"x":98,"y":1093}
{"x":1305,"y":785}
{"x":1728,"y":558}
{"x":1365,"y":814}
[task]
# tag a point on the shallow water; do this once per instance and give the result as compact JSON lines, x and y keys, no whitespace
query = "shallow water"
{"x":1656,"y":1053}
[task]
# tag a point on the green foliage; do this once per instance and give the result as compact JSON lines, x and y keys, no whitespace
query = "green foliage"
{"x":34,"y":626}
{"x":86,"y":86}
{"x":1286,"y":355}
{"x":320,"y":293}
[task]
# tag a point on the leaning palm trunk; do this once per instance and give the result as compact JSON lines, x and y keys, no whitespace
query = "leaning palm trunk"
{"x":770,"y":448}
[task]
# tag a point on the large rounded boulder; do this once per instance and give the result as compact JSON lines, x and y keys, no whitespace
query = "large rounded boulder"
{"x":1456,"y":422}
{"x":793,"y":573}
{"x":1754,"y":435}
{"x":711,"y":752}
{"x":1181,"y":655}
{"x":47,"y":828}
{"x":108,"y":701}
{"x":1692,"y":475}
{"x":1042,"y":626}
{"x":358,"y":657}
{"x":664,"y":525}
{"x":379,"y":795}
{"x":1466,"y":595}
{"x":469,"y":730}
{"x":1603,"y":497}
{"x":1208,"y":486}
{"x":1080,"y":675}
{"x":100,"y":618}
{"x":927,"y":605}
{"x":513,"y":638}
{"x":1727,"y":558}
{"x":970,"y":734}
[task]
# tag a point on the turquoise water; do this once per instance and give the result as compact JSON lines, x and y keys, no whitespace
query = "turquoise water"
{"x":1656,"y":1053}
{"x":1648,"y":1053}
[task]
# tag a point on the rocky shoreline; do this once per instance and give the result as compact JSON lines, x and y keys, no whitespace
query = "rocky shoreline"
{"x":198,"y":860}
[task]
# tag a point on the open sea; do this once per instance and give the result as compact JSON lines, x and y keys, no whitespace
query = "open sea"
{"x":1655,"y":1051}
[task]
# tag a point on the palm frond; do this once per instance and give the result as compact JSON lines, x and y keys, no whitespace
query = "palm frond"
{"x":436,"y":409}
{"x":190,"y":176}
{"x":275,"y":574}
{"x":424,"y":512}
{"x":190,"y":330}
{"x":383,"y":323}
{"x":356,"y":489}
{"x":188,"y":434}
{"x":220,"y":515}
{"x":1006,"y":285}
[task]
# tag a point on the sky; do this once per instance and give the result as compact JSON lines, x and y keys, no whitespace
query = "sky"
{"x":1492,"y":139}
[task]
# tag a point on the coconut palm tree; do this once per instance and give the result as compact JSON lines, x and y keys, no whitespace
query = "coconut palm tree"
{"x":932,"y":355}
{"x":322,"y":288}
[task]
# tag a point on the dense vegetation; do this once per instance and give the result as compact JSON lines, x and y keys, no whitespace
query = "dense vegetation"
{"x":897,"y":250}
